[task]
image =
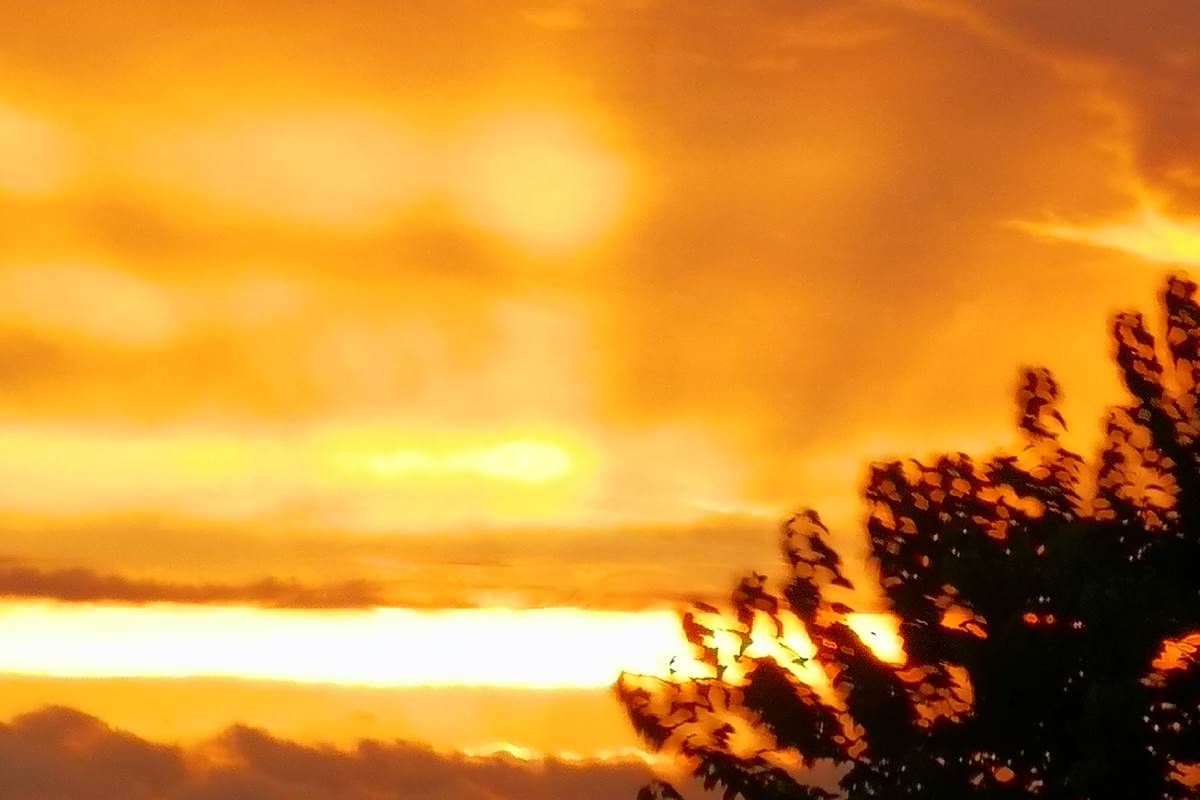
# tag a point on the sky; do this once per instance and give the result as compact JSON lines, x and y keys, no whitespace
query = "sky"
{"x":388,"y":372}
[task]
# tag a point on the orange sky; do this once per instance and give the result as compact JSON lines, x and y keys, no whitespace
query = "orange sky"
{"x":501,"y":305}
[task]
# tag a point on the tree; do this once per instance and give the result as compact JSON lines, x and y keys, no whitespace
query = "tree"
{"x":1048,"y":608}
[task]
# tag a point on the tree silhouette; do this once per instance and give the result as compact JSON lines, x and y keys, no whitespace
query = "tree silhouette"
{"x":1048,"y":608}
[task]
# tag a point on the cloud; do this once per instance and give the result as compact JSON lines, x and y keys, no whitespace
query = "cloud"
{"x":95,"y":302}
{"x":449,"y":719}
{"x":1142,"y":61}
{"x":38,"y":157}
{"x":1149,"y":235}
{"x":622,"y":567}
{"x":820,"y":232}
{"x":339,"y":168}
{"x":58,"y":752}
{"x":816,"y":250}
{"x":82,"y":585}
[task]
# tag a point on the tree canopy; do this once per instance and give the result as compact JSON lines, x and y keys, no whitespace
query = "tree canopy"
{"x":1048,"y":605}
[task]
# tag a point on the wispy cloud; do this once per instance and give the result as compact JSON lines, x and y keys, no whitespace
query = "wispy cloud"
{"x":82,"y":585}
{"x":1149,"y":235}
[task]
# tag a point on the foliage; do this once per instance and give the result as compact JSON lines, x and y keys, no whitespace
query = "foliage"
{"x":1048,"y":609}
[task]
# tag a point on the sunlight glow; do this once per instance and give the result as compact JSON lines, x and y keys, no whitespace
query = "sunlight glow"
{"x":542,"y":648}
{"x":539,"y":179}
{"x":1178,"y":653}
{"x":622,"y":755}
{"x":526,"y":461}
{"x":881,"y":633}
{"x":394,"y":477}
{"x":783,"y":639}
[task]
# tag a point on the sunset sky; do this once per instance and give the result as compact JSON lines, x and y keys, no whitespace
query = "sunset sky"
{"x":390,"y":370}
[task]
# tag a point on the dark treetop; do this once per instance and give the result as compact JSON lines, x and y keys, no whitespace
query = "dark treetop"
{"x":1045,"y":604}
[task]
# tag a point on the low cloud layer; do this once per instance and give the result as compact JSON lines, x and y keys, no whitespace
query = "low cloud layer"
{"x":62,"y":753}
